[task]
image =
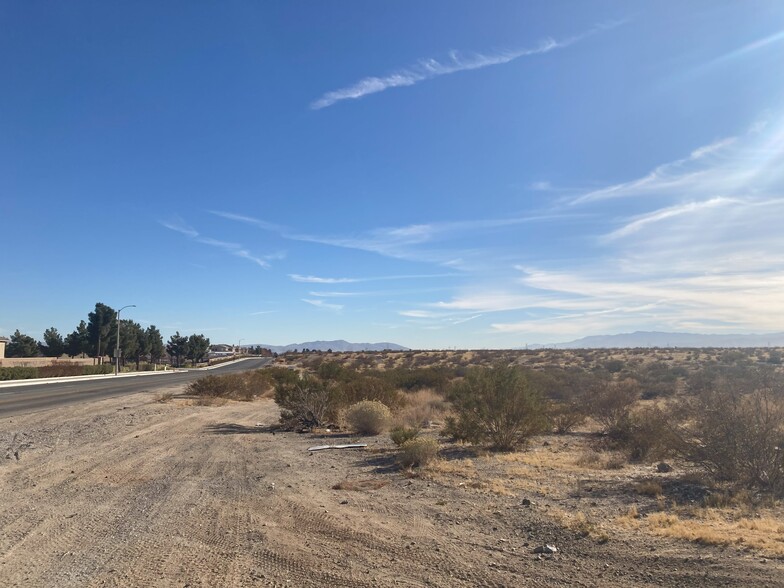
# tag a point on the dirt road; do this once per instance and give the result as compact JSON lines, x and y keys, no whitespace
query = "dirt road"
{"x":131,"y":492}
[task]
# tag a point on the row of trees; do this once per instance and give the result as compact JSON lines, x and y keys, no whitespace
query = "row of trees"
{"x":97,"y":337}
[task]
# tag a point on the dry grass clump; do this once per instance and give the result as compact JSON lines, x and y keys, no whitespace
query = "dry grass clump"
{"x":418,"y":452}
{"x":648,"y":488}
{"x":600,"y":461}
{"x":164,"y":397}
{"x":421,"y":408}
{"x":368,"y":417}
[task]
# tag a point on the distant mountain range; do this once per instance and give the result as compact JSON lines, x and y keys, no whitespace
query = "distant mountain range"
{"x":659,"y":339}
{"x":339,"y":345}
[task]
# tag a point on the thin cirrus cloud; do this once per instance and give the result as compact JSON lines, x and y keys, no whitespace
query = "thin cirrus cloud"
{"x":743,"y":165}
{"x":703,"y":251}
{"x":427,"y":69}
{"x":329,"y":280}
{"x":413,"y":242}
{"x":179,"y":226}
{"x":322,"y":304}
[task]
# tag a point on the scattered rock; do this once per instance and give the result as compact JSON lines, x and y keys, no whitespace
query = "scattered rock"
{"x":546,"y":549}
{"x":663,"y":468}
{"x":526,"y":502}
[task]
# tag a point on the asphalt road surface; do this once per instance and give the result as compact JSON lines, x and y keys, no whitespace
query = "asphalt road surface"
{"x":15,"y":400}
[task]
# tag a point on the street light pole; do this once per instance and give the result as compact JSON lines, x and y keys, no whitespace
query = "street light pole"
{"x":117,"y":347}
{"x":239,"y":349}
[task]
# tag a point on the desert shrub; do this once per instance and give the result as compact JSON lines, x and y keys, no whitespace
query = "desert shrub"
{"x":611,"y":405}
{"x":650,"y":434}
{"x":243,"y":386}
{"x":421,"y":408}
{"x":307,"y":401}
{"x":18,"y":373}
{"x":367,"y":387}
{"x":399,"y":435}
{"x":435,"y":378}
{"x":418,"y":452}
{"x":738,"y":437}
{"x":499,"y":405}
{"x":565,"y":416}
{"x":368,"y":417}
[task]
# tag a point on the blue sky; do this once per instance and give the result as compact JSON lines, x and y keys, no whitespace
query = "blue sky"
{"x":440,"y":174}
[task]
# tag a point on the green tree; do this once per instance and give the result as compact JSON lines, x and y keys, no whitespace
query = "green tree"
{"x":78,"y":341}
{"x":22,"y":345}
{"x":155,"y":342}
{"x":129,"y":344}
{"x":99,"y":326}
{"x":140,"y":349}
{"x":53,"y":345}
{"x":197,"y":347}
{"x":177,"y":347}
{"x":499,"y":405}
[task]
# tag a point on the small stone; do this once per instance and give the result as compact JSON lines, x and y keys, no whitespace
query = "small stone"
{"x":547,"y":549}
{"x":663,"y":468}
{"x":526,"y":502}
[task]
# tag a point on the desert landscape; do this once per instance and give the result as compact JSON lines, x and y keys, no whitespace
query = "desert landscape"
{"x":169,"y":488}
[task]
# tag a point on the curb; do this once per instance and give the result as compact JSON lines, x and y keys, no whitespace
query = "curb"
{"x":66,"y":379}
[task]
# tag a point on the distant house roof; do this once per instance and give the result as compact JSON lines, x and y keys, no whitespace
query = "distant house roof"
{"x":5,"y":340}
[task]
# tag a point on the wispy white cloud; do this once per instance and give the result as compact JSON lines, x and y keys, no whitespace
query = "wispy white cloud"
{"x":338,"y":294}
{"x":260,"y":312}
{"x":750,"y":164}
{"x":322,"y":304}
{"x":427,"y":69}
{"x":643,"y":220}
{"x":236,"y":249}
{"x":180,"y":226}
{"x":752,"y":47}
{"x":328,"y":280}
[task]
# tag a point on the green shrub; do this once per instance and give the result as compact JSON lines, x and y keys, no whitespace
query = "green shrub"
{"x":18,"y":373}
{"x":418,"y":452}
{"x":399,"y":435}
{"x":93,"y":370}
{"x":499,"y":405}
{"x":368,"y":417}
{"x":60,"y":369}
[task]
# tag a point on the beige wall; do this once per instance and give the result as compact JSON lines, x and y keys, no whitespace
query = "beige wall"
{"x":2,"y":349}
{"x":42,"y":361}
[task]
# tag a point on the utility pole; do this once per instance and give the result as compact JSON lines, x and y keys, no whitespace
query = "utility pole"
{"x":117,"y":350}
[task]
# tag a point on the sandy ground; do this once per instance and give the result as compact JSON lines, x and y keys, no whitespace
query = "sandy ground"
{"x":131,"y":492}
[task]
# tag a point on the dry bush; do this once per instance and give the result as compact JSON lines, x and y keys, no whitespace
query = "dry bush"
{"x":400,"y":435}
{"x":368,"y":417}
{"x":306,"y":401}
{"x":243,"y":386}
{"x":738,"y":437}
{"x":421,"y":408}
{"x":611,"y":405}
{"x":565,"y":416}
{"x":164,"y":397}
{"x":418,"y":452}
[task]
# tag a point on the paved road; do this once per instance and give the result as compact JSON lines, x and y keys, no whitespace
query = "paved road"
{"x":16,"y":400}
